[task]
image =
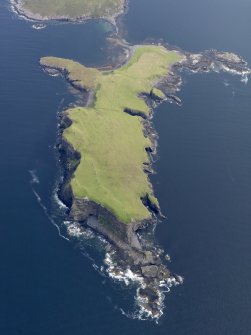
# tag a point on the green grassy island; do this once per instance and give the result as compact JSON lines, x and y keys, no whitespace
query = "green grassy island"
{"x":112,"y":142}
{"x":70,"y":9}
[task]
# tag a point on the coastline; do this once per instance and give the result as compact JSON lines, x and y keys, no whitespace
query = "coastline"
{"x":148,"y":265}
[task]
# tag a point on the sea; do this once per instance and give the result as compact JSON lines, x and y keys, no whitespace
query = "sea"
{"x":50,"y":283}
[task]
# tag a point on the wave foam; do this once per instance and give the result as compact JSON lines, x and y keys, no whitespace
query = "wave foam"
{"x":39,"y":200}
{"x":128,"y":277}
{"x":39,"y":26}
{"x":74,"y":229}
{"x":34,"y":177}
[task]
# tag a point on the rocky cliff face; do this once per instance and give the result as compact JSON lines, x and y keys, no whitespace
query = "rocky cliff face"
{"x":131,"y":251}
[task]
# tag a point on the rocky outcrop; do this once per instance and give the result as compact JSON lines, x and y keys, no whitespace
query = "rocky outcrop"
{"x":131,"y":252}
{"x":123,"y":236}
{"x":215,"y":61}
{"x":150,"y":271}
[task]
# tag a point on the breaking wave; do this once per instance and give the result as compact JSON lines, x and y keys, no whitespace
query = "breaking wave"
{"x":39,"y":26}
{"x":34,"y":177}
{"x":132,"y":279}
{"x":74,"y":229}
{"x":35,"y":180}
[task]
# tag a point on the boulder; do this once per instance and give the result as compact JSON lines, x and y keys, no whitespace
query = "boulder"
{"x":150,"y":271}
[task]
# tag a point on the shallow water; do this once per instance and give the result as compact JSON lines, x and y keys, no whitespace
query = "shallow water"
{"x":203,"y":180}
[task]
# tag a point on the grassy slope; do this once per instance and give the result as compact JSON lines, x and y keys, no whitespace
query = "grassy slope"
{"x":84,"y":77}
{"x":111,"y":142}
{"x":73,"y":8}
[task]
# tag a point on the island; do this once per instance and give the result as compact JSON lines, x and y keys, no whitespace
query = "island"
{"x":69,"y":10}
{"x":106,"y":149}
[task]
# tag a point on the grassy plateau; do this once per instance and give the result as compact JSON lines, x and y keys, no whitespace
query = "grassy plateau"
{"x":111,"y":142}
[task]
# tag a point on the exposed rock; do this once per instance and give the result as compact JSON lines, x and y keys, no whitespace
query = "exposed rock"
{"x":149,"y":258}
{"x":164,"y":273}
{"x":150,"y":271}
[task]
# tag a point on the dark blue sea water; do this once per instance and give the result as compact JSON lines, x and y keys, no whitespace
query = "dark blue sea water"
{"x":203,"y":180}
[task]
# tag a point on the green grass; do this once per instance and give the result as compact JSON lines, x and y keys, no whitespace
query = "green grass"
{"x":158,"y":93}
{"x":79,"y":74}
{"x":110,"y":141}
{"x":73,"y":8}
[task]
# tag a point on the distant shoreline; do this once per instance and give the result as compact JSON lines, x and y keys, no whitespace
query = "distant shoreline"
{"x":17,"y":8}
